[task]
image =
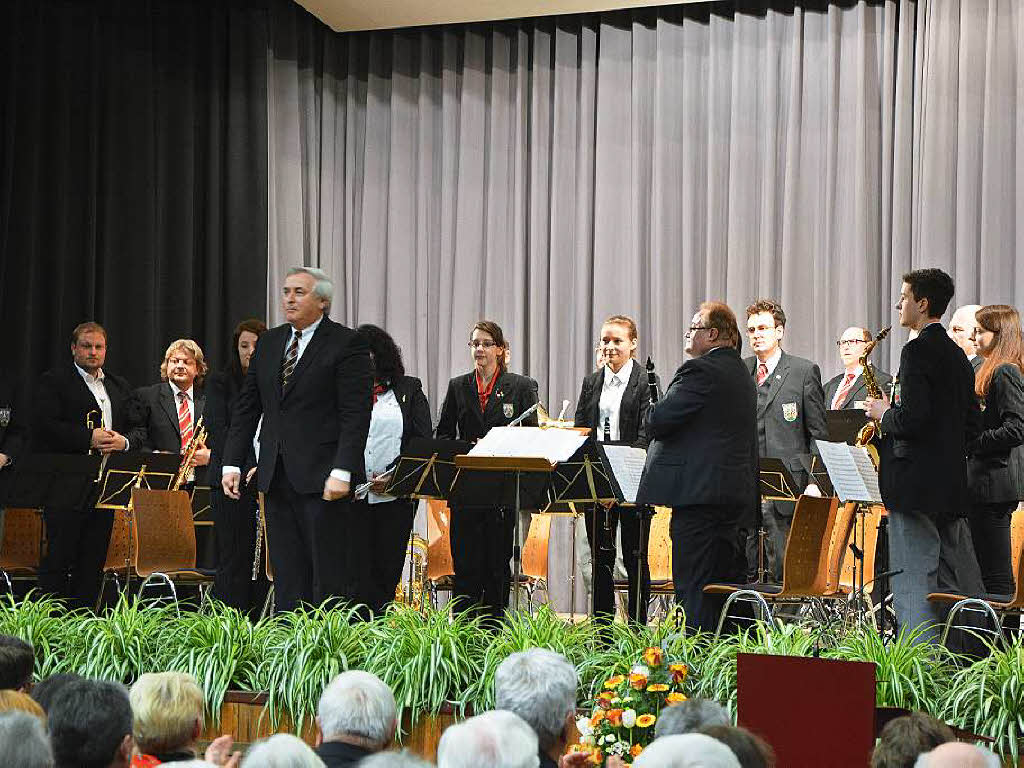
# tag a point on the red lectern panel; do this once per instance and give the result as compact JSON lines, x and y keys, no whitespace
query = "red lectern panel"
{"x":816,"y":713}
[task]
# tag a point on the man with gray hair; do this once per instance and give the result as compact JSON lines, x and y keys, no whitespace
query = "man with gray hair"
{"x":540,"y":686}
{"x":961,"y":330}
{"x":356,"y":718}
{"x":23,"y":741}
{"x":689,"y":716}
{"x":495,"y":739}
{"x":310,"y":381}
{"x":954,"y":754}
{"x":689,"y":750}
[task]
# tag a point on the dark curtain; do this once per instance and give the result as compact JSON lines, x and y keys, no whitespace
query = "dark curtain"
{"x":133,"y":177}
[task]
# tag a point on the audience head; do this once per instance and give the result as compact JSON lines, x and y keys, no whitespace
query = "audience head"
{"x":751,"y":750}
{"x":306,"y":296}
{"x":688,"y":750}
{"x":851,"y":345}
{"x":168,"y":712}
{"x":495,"y":739}
{"x":16,"y":701}
{"x":46,"y":691}
{"x":689,"y":716}
{"x":23,"y":741}
{"x":618,"y":340}
{"x":243,"y":342}
{"x":766,"y":326}
{"x":357,"y":707}
{"x":91,"y":725}
{"x":956,"y":755}
{"x":184,"y":364}
{"x":16,"y":663}
{"x":539,"y":686}
{"x":488,"y":345}
{"x":904,"y":738}
{"x":961,"y":328}
{"x":384,"y":352}
{"x":281,"y":750}
{"x":401,"y":759}
{"x":924,"y":296}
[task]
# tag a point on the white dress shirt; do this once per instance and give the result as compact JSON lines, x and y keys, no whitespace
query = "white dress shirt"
{"x":99,"y":391}
{"x":856,"y":373}
{"x":384,"y":440}
{"x":610,"y":404}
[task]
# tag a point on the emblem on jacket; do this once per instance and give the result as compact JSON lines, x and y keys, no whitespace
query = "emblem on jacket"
{"x":789,"y":411}
{"x":508,"y":410}
{"x":5,"y":417}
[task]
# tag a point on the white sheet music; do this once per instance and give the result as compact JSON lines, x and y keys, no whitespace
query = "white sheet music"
{"x":555,"y":445}
{"x":851,"y":470}
{"x":627,"y":464}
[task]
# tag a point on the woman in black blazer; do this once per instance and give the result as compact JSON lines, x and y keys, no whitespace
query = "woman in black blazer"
{"x":380,"y":525}
{"x":995,"y":467}
{"x":481,"y":537}
{"x":235,"y":521}
{"x":613,"y":402}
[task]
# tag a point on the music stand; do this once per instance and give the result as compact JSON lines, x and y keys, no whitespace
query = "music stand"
{"x":776,"y":483}
{"x":51,"y":480}
{"x":843,"y":425}
{"x":426,"y":469}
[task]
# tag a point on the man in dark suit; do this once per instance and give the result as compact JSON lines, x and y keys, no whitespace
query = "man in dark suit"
{"x":790,"y":417}
{"x":848,"y":390}
{"x":702,"y":461}
{"x":172,"y":409}
{"x":310,"y":381}
{"x":961,"y":330}
{"x":78,"y":408}
{"x":923,"y":473}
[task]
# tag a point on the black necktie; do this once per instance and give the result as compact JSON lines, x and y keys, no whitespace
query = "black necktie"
{"x":290,"y":359}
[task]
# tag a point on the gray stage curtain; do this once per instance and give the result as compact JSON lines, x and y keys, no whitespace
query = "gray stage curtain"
{"x":547,"y":173}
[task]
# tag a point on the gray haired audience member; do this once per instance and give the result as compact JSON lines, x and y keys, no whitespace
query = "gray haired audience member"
{"x":401,"y":759}
{"x":540,"y":686}
{"x":282,"y":750}
{"x":953,"y":754}
{"x":91,"y":726}
{"x":23,"y":741}
{"x":357,"y":717}
{"x":750,"y":749}
{"x":689,"y":716}
{"x":688,"y":750}
{"x":495,"y":739}
{"x":904,"y":738}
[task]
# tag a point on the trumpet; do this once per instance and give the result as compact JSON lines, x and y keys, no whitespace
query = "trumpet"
{"x":93,"y":420}
{"x":197,"y":441}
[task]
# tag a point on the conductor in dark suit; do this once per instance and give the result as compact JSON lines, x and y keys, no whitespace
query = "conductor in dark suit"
{"x":702,"y":461}
{"x":790,"y":417}
{"x":613,"y":403}
{"x":482,"y":536}
{"x":171,"y":410}
{"x":848,"y":390}
{"x":310,"y":381}
{"x":77,"y":408}
{"x":933,"y":416}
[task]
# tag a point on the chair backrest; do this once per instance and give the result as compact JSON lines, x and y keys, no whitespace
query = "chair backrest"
{"x":839,"y":545}
{"x":22,"y":539}
{"x":439,"y":547}
{"x":659,"y":547}
{"x":164,"y":531}
{"x":123,"y":546}
{"x":535,"y":548}
{"x":805,"y":565}
{"x":872,"y":520}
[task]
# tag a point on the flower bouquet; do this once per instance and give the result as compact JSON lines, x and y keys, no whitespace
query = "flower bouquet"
{"x":628,"y":706}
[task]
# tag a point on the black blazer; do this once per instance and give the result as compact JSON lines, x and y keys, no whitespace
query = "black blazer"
{"x":415,"y":408}
{"x":934,"y":415}
{"x":704,"y":437}
{"x":160,"y":416}
{"x":338,"y":754}
{"x":13,"y":415}
{"x":222,"y":390}
{"x":795,"y":384}
{"x":61,"y":403}
{"x":319,"y":422}
{"x":636,"y":401}
{"x":995,"y":458}
{"x":460,"y":413}
{"x":859,"y":392}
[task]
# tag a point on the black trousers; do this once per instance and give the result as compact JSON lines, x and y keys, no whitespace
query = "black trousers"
{"x":377,"y":539}
{"x":76,"y":548}
{"x":481,"y":539}
{"x":305,"y":535}
{"x":990,"y":530}
{"x":705,"y":550}
{"x":636,"y":529}
{"x":234,"y":529}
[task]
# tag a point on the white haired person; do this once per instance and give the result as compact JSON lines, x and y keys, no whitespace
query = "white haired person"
{"x":689,"y":750}
{"x":356,"y":717}
{"x":281,"y":750}
{"x":495,"y":739}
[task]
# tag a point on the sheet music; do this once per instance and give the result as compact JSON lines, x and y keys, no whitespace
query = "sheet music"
{"x":555,"y":445}
{"x":627,"y":464}
{"x":851,"y":470}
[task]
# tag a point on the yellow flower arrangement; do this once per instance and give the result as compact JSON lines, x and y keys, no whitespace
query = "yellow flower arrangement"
{"x":645,"y":721}
{"x":657,"y":687}
{"x":675,"y":698}
{"x":653,"y":657}
{"x":612,"y":682}
{"x":638,"y":682}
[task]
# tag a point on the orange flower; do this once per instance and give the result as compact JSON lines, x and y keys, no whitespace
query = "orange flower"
{"x":653,"y":657}
{"x":636,"y":750}
{"x":611,"y":682}
{"x":604,"y":699}
{"x":657,"y":687}
{"x":645,"y":721}
{"x":675,"y":698}
{"x":678,"y":671}
{"x":597,"y":718}
{"x":639,"y":682}
{"x":614,"y":717}
{"x":596,"y":757}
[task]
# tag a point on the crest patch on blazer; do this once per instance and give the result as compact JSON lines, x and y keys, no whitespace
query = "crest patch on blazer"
{"x":789,"y":411}
{"x":5,"y":417}
{"x":508,"y":410}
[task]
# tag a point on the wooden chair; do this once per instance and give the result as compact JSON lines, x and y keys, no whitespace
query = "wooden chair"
{"x":534,"y":574}
{"x":440,"y":567}
{"x":659,"y":558}
{"x":22,"y":545}
{"x":804,"y":567}
{"x":994,"y":606}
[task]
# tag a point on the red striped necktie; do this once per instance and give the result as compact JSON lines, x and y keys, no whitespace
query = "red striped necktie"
{"x":184,"y":420}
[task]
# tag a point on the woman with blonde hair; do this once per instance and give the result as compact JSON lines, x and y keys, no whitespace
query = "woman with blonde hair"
{"x":995,"y":466}
{"x":168,"y":717}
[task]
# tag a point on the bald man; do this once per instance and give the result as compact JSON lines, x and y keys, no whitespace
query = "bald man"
{"x":961,"y":330}
{"x":957,"y":755}
{"x":847,"y":391}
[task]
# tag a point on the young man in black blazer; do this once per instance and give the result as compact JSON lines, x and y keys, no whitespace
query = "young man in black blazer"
{"x":933,"y":414}
{"x":311,"y":383}
{"x":702,"y":461}
{"x":77,"y":408}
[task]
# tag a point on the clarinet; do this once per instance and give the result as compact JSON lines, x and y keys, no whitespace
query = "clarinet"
{"x":259,"y":545}
{"x":652,"y":381}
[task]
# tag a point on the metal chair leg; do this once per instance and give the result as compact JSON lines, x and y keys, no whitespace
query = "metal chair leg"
{"x":743,"y":594}
{"x":972,"y":603}
{"x":7,"y":581}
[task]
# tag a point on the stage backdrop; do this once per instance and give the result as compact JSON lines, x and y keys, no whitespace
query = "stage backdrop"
{"x":547,"y":173}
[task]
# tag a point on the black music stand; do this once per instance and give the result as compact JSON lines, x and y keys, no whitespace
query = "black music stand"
{"x":843,"y":425}
{"x":426,"y":469}
{"x":776,"y":483}
{"x":124,"y":471}
{"x":50,"y":480}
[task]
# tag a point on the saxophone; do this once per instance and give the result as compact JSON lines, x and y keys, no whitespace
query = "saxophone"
{"x":412,"y":592}
{"x":872,"y":429}
{"x":197,"y":441}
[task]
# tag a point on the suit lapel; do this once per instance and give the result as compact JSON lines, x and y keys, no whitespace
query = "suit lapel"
{"x":497,"y":400}
{"x":858,"y":392}
{"x":200,"y":401}
{"x":167,"y":404}
{"x":472,"y":398}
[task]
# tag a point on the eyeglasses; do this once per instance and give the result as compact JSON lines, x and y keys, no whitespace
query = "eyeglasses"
{"x":849,"y":342}
{"x":486,"y":343}
{"x":694,"y":328}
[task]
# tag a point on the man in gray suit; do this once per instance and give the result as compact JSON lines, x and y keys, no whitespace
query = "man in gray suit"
{"x":790,"y":416}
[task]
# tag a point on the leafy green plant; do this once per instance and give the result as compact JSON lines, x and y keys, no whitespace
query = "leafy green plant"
{"x":50,"y":628}
{"x":125,"y":642}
